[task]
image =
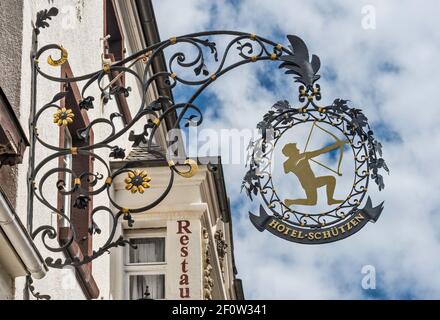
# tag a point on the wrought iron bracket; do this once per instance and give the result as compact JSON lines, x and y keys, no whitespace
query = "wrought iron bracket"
{"x":246,"y":48}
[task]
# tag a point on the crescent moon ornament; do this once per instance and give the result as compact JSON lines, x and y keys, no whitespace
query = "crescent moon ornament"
{"x":194,"y":168}
{"x":61,"y":61}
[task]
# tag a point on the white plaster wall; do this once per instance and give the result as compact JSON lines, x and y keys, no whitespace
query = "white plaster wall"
{"x":82,"y":40}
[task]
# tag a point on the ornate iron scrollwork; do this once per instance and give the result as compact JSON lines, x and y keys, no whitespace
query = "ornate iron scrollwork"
{"x":248,"y":47}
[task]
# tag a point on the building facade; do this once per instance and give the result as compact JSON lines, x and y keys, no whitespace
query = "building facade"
{"x":184,"y":245}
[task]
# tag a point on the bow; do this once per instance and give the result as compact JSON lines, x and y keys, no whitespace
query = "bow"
{"x":341,"y":149}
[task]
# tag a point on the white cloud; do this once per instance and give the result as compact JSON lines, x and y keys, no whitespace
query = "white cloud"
{"x":403,"y":244}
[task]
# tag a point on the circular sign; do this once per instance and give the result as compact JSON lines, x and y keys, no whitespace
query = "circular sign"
{"x":292,"y":217}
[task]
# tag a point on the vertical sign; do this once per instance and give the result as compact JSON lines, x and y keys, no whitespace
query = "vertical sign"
{"x":183,"y":232}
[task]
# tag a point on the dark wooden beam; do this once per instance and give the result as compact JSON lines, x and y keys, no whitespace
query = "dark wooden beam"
{"x":13,"y":141}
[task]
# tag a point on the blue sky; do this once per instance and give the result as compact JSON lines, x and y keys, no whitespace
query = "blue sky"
{"x":391,"y":71}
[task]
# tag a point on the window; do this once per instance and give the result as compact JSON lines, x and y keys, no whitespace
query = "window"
{"x":67,"y":164}
{"x":145,"y":267}
{"x":148,"y":250}
{"x":79,"y":164}
{"x":155,"y":283}
{"x":115,"y":51}
{"x":112,"y":27}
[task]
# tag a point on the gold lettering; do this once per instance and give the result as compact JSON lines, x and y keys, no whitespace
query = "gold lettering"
{"x":354,"y":222}
{"x":281,"y":228}
{"x":273,"y":224}
{"x":359,"y":217}
{"x":294,"y":234}
{"x":287,"y":231}
{"x":342,"y":229}
{"x":297,"y":234}
{"x":311,"y":236}
{"x":326,"y":234}
{"x":318,"y":234}
{"x":335,"y":232}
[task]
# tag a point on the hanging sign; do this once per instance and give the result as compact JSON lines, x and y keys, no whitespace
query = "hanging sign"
{"x":317,"y":213}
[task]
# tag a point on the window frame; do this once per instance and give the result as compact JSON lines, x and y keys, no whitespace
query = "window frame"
{"x":131,"y":264}
{"x":67,"y":161}
{"x":113,"y":27}
{"x":144,"y":273}
{"x":79,"y":162}
{"x":144,"y":268}
{"x":83,"y":244}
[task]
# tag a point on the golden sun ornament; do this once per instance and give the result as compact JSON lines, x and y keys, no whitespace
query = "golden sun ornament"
{"x":63,"y":117}
{"x":137,"y":181}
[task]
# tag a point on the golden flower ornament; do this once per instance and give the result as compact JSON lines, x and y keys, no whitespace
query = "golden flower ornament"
{"x":63,"y":117}
{"x":137,"y":181}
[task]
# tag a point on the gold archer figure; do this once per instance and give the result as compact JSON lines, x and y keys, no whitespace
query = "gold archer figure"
{"x":298,"y":164}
